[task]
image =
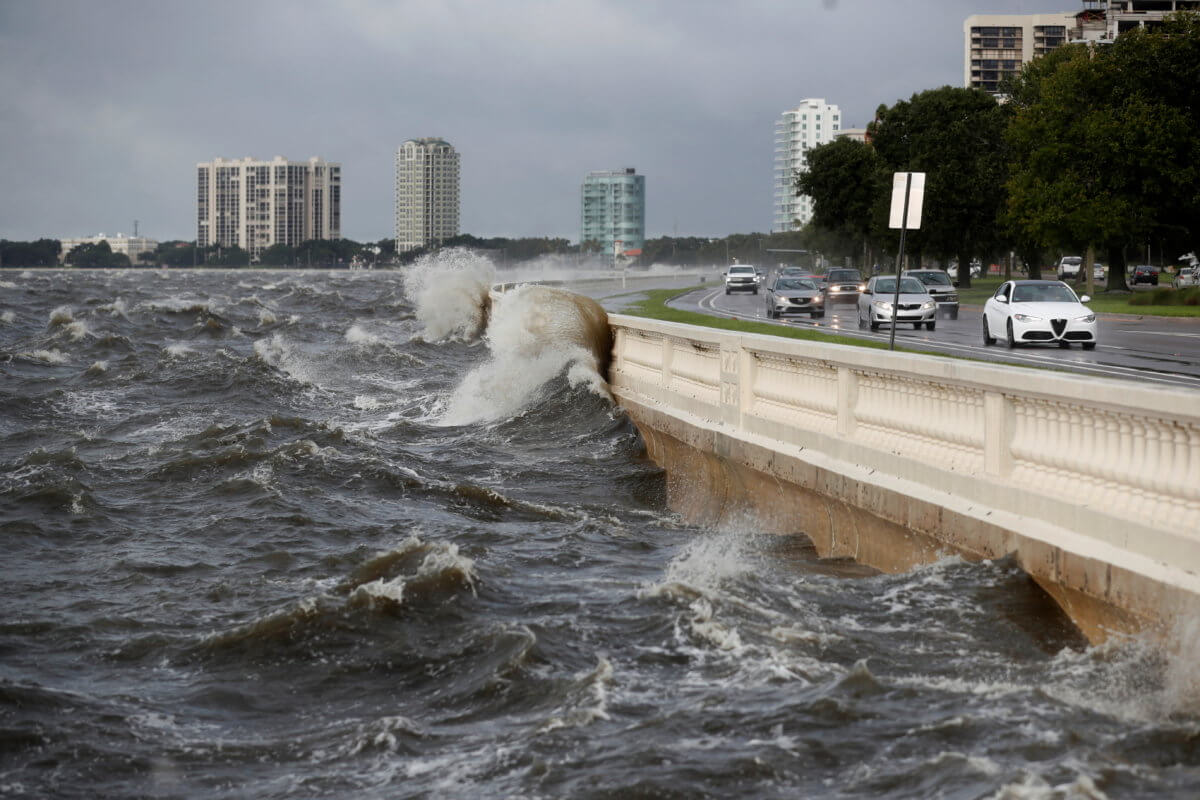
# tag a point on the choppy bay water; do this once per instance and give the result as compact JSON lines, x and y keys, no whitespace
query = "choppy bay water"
{"x":272,"y":534}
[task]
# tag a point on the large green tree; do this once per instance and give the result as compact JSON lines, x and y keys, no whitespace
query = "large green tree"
{"x":956,"y":137}
{"x":99,"y":254}
{"x":1106,"y":144}
{"x":845,"y":179}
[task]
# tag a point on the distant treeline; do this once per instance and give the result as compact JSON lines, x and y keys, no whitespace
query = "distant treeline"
{"x":748,"y":248}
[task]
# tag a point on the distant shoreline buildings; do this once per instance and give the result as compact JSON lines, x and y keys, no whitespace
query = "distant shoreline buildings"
{"x":797,"y":131}
{"x":427,"y":193}
{"x":613,"y":212}
{"x":255,"y":204}
{"x":131,"y":246}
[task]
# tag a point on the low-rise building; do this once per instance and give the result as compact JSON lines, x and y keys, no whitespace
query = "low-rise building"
{"x":132,"y":246}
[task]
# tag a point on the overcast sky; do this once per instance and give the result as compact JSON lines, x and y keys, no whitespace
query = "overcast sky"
{"x":106,"y":107}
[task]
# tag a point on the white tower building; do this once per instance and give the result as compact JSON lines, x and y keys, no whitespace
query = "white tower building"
{"x":797,"y":131}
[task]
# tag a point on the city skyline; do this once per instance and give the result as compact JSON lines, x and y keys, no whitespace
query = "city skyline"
{"x":95,"y":136}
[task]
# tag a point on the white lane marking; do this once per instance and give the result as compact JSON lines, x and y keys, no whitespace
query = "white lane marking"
{"x":1159,"y":333}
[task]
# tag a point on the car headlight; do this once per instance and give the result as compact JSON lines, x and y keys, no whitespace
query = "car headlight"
{"x":1086,"y":318}
{"x":818,"y":299}
{"x":951,"y":298}
{"x":928,"y":304}
{"x":862,"y":287}
{"x":1026,"y":318}
{"x":882,"y":306}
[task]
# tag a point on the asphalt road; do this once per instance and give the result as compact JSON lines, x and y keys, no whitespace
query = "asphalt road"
{"x":1159,"y":350}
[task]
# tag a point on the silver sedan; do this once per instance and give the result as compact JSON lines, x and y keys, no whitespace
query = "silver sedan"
{"x":795,"y":296}
{"x":878,"y":304}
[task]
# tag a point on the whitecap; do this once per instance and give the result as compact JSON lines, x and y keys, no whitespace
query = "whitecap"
{"x":61,"y":315}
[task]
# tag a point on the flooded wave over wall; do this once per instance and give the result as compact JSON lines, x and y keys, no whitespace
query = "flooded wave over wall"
{"x":276,"y":534}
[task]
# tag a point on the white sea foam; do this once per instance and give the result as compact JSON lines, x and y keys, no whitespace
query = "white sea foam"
{"x":177,"y":349}
{"x":8,"y":317}
{"x":77,"y":329}
{"x":61,"y":315}
{"x":284,"y":356}
{"x":98,"y":368}
{"x":51,"y":356}
{"x":535,"y":334}
{"x":7,"y":285}
{"x":358,"y":335}
{"x":266,"y":317}
{"x":116,"y":308}
{"x":450,"y":292}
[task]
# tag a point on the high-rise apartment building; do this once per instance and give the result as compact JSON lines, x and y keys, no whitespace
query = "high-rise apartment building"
{"x":613,"y":211}
{"x":256,"y":204}
{"x":996,"y":45}
{"x":427,"y":193}
{"x":797,"y":131}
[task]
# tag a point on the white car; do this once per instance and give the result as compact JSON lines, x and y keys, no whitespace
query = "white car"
{"x":1038,"y":311}
{"x":915,"y":303}
{"x":741,"y":278}
{"x":1188,"y":276}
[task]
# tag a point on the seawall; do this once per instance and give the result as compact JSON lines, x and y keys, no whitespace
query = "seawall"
{"x":897,"y":459}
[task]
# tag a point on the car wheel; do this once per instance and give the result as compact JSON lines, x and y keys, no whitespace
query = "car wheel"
{"x":1089,"y":345}
{"x":862,"y":323}
{"x":1012,"y":342}
{"x":954,"y":314}
{"x":818,"y":314}
{"x":873,"y":323}
{"x":930,"y":325}
{"x":988,"y":339}
{"x":756,"y":291}
{"x":726,"y":290}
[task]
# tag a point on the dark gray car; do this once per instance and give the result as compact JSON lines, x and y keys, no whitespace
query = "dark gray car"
{"x":940,"y":287}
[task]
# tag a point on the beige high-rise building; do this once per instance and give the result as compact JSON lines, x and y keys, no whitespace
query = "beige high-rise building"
{"x":996,"y":45}
{"x":427,"y":193}
{"x":256,"y":204}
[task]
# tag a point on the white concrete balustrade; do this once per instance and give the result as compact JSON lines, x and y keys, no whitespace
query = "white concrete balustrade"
{"x":1106,"y":466}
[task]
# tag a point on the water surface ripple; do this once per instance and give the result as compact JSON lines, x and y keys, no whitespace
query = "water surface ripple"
{"x":273,"y":534}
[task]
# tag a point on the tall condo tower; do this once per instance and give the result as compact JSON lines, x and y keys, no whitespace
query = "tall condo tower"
{"x":613,"y":209}
{"x":797,"y":131}
{"x":996,"y":45}
{"x":255,"y":204}
{"x":427,"y":193}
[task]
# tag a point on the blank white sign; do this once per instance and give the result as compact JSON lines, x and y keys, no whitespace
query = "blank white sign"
{"x":916,"y":196}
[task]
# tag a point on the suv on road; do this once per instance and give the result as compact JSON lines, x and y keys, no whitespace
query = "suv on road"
{"x":1068,"y":267}
{"x":741,"y":278}
{"x":940,"y":288}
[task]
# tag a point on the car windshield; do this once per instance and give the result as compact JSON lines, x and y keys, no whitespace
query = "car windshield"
{"x":844,"y":275}
{"x":1043,"y":293}
{"x":794,"y":271}
{"x":794,"y":283}
{"x":741,"y":271}
{"x":933,"y":278}
{"x":907,"y":286}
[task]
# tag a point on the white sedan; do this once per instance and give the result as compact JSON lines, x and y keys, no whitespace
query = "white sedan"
{"x":1038,"y":311}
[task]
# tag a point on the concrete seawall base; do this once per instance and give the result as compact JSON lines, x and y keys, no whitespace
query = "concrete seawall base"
{"x":877,"y":520}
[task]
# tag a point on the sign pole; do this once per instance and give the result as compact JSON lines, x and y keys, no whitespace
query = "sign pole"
{"x":899,"y":262}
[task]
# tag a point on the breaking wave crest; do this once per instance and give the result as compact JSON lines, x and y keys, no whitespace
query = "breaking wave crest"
{"x":536,"y":334}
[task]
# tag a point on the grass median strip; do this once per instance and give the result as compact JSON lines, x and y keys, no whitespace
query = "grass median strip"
{"x":653,"y":305}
